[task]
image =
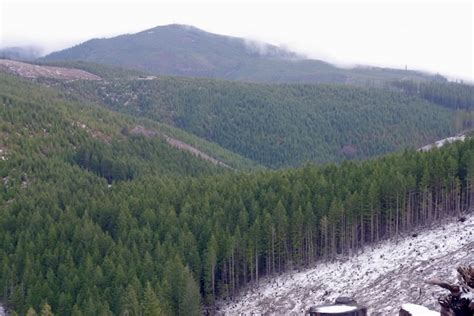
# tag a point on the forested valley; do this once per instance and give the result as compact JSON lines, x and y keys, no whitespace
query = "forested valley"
{"x":281,"y":125}
{"x":96,"y":221}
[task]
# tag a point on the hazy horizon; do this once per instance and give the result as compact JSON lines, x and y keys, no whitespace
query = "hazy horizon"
{"x":430,"y":37}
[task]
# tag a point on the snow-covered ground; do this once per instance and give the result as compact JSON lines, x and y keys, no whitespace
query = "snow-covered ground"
{"x":440,"y":143}
{"x":383,"y":277}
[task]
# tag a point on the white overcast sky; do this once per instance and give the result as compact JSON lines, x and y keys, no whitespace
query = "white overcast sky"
{"x":431,"y":35}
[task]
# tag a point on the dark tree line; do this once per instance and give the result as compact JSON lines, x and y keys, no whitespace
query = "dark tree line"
{"x":448,"y":94}
{"x":451,"y":95}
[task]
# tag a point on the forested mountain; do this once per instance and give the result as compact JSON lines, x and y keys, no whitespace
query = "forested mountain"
{"x":157,"y":245}
{"x":108,"y":139}
{"x":182,"y":50}
{"x":279,"y":125}
{"x":40,"y":127}
{"x":272,"y":125}
{"x":107,"y":213}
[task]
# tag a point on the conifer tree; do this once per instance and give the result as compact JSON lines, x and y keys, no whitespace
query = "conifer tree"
{"x":46,"y":310}
{"x":151,"y":304}
{"x":130,"y":304}
{"x":31,"y":312}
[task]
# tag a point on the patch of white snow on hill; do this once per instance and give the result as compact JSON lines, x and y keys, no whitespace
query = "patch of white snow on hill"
{"x":382,"y":277}
{"x":440,"y":143}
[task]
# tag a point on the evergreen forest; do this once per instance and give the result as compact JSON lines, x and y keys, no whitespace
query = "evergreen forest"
{"x":283,"y":125}
{"x":97,"y":219}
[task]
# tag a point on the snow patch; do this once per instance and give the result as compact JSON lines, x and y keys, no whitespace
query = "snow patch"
{"x":440,"y":143}
{"x":418,"y":310}
{"x":468,"y":295}
{"x":331,"y":309}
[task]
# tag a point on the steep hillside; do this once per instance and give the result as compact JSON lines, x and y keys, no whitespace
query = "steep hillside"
{"x":382,"y":277}
{"x":38,"y":126}
{"x":114,"y":130}
{"x":182,"y":50}
{"x":278,"y":125}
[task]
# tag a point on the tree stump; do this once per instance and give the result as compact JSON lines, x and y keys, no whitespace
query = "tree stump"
{"x":460,"y":300}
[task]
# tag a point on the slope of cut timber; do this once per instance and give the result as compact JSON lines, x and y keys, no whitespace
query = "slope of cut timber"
{"x":36,"y":71}
{"x":194,"y":151}
{"x":383,"y":277}
{"x":140,"y":130}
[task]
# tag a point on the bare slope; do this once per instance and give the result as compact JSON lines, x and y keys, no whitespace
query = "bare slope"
{"x":383,"y":277}
{"x":35,"y":71}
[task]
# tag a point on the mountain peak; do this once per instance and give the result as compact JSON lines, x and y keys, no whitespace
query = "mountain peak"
{"x":185,"y":50}
{"x":175,"y":26}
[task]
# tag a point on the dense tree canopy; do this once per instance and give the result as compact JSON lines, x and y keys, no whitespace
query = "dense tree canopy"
{"x":97,"y":221}
{"x":279,"y":125}
{"x":451,"y":94}
{"x":159,"y":244}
